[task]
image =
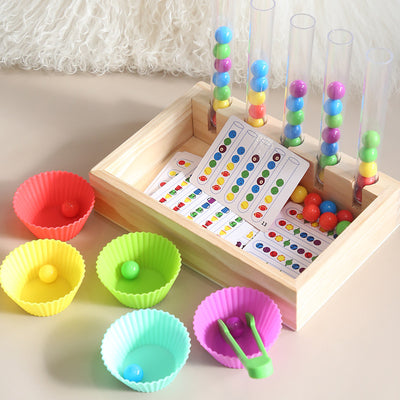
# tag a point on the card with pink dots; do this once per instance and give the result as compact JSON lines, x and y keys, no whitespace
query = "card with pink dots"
{"x":249,"y":173}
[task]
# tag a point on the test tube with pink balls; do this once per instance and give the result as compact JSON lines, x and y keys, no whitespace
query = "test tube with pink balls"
{"x":373,"y":115}
{"x":259,"y":60}
{"x":337,"y":70}
{"x":222,"y":46}
{"x":301,"y":37}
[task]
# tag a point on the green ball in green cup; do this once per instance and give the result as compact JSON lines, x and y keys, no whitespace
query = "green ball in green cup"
{"x":130,"y":269}
{"x":371,"y":139}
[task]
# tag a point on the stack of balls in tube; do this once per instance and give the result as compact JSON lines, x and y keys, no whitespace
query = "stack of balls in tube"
{"x":325,"y":212}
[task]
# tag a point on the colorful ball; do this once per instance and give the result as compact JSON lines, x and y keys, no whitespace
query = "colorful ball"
{"x":363,"y":181}
{"x":257,"y":111}
{"x":368,"y":170}
{"x":48,"y":273}
{"x":223,"y":35}
{"x":223,"y":65}
{"x":344,"y":215}
{"x":330,"y":135}
{"x":256,"y":98}
{"x":341,"y":226}
{"x":328,"y":221}
{"x":222,"y":93}
{"x":256,"y":122}
{"x":293,"y":142}
{"x":328,"y":206}
{"x":371,"y":139}
{"x":313,"y":198}
{"x":218,"y":104}
{"x":221,"y":51}
{"x":298,"y":88}
{"x":70,"y":208}
{"x":236,"y":326}
{"x":292,"y":131}
{"x":294,"y":103}
{"x":336,"y":90}
{"x":326,"y":161}
{"x":133,"y":373}
{"x":130,"y":270}
{"x":333,"y":107}
{"x":334,"y":121}
{"x":311,"y":212}
{"x":295,"y":118}
{"x":221,"y":79}
{"x":329,"y":149}
{"x":259,"y":84}
{"x":299,"y":194}
{"x":259,"y":68}
{"x":368,"y":154}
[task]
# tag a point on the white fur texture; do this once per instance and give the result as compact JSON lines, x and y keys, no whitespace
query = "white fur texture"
{"x":146,"y":36}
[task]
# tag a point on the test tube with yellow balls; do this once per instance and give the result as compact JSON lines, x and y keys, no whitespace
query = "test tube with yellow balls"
{"x":259,"y":59}
{"x":222,"y":51}
{"x":373,"y":116}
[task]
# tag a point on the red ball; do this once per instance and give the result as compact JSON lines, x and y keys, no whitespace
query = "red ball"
{"x":328,"y":221}
{"x":257,"y":112}
{"x":344,"y":215}
{"x":70,"y":208}
{"x":311,"y":212}
{"x":313,"y":198}
{"x":362,"y":181}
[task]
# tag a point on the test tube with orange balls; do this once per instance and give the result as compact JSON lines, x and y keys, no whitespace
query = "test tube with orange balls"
{"x":259,"y":59}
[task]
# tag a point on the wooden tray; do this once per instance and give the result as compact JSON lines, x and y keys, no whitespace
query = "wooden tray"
{"x":121,"y":178}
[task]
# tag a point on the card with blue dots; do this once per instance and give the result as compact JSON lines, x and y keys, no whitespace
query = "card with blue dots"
{"x":249,"y":173}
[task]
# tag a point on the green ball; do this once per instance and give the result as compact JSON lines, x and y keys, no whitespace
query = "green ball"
{"x":368,"y":154}
{"x":325,"y":161}
{"x":221,"y":51}
{"x":371,"y":139}
{"x":295,"y":117}
{"x":341,"y":226}
{"x":130,"y":269}
{"x":222,"y":93}
{"x":292,"y":142}
{"x":334,"y":121}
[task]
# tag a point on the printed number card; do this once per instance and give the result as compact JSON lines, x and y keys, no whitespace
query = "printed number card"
{"x":249,"y":173}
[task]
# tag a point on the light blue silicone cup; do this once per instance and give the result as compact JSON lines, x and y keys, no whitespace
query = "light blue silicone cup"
{"x":153,"y":339}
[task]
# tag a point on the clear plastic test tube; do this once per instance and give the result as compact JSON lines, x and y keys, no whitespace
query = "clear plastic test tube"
{"x":222,"y":51}
{"x":301,"y":38}
{"x":373,"y":116}
{"x":338,"y":60}
{"x":259,"y":60}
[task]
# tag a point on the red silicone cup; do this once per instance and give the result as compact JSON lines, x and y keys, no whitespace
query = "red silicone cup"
{"x":41,"y":202}
{"x":235,"y":302}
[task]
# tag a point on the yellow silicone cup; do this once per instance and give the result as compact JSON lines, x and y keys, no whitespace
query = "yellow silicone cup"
{"x":19,"y":276}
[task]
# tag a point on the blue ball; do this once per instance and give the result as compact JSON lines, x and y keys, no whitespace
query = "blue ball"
{"x":294,"y":103}
{"x":259,"y":84}
{"x":328,"y":206}
{"x":292,"y":131}
{"x":333,"y":107}
{"x":329,"y":149}
{"x":259,"y":68}
{"x":223,"y":35}
{"x":221,"y":79}
{"x":133,"y":373}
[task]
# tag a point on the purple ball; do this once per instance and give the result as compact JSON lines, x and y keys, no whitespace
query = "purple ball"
{"x":331,"y":135}
{"x":336,"y":90}
{"x":236,"y":326}
{"x":223,"y":65}
{"x":298,"y":88}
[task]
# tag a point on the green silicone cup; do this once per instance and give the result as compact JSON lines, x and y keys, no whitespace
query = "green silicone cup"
{"x":153,"y":339}
{"x":159,"y":262}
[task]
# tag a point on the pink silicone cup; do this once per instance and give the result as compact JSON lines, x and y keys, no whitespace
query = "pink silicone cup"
{"x":37,"y":203}
{"x":235,"y":302}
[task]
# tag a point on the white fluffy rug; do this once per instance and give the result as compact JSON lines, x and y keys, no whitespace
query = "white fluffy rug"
{"x":146,"y":36}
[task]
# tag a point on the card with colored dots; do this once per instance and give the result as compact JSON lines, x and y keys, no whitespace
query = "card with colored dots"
{"x":180,"y":162}
{"x":249,"y":173}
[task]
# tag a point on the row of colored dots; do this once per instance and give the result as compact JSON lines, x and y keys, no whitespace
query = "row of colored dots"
{"x":292,"y":246}
{"x":173,"y":192}
{"x":230,"y":225}
{"x":217,"y":216}
{"x":297,"y":231}
{"x":279,"y":257}
{"x":268,"y":199}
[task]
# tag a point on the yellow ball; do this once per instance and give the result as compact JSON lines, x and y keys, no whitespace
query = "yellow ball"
{"x":48,"y":273}
{"x":299,"y":194}
{"x":255,"y":122}
{"x":368,"y":170}
{"x":217,"y":104}
{"x":256,"y":98}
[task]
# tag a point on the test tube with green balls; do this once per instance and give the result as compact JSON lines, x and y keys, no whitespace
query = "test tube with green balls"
{"x":301,"y":37}
{"x":373,"y":116}
{"x":222,"y":51}
{"x":337,"y":70}
{"x":259,"y":60}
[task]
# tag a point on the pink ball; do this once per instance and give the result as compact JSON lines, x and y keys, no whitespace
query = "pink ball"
{"x":298,"y":88}
{"x":331,"y":135}
{"x":223,"y":65}
{"x":335,"y":90}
